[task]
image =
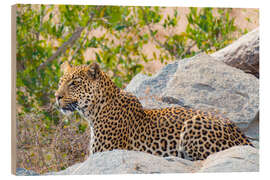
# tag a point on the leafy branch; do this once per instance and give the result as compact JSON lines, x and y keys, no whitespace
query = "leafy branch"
{"x":70,"y":42}
{"x":152,"y":33}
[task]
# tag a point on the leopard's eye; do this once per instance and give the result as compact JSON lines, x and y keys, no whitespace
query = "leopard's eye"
{"x":72,"y":83}
{"x":60,"y":82}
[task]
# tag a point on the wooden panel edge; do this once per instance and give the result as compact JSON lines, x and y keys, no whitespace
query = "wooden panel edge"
{"x":13,"y":90}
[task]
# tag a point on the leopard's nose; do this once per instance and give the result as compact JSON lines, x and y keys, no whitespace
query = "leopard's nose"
{"x":58,"y":96}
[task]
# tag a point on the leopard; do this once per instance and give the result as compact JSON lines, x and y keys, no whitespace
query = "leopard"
{"x":118,"y":121}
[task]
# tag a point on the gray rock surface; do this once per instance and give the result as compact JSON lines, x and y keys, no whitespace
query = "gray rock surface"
{"x":236,"y":159}
{"x":25,"y":172}
{"x":253,"y":128}
{"x":148,"y":89}
{"x":128,"y":162}
{"x":243,"y":53}
{"x":202,"y":82}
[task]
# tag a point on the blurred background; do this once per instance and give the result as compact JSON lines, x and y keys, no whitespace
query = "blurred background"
{"x":124,"y":40}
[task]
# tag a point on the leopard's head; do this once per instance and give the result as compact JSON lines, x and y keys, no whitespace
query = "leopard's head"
{"x":79,"y":87}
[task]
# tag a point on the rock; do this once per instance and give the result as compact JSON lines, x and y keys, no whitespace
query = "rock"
{"x":127,"y":162}
{"x":243,"y":53}
{"x":25,"y":172}
{"x":235,"y":159}
{"x":253,"y":128}
{"x":148,"y":89}
{"x":202,"y":82}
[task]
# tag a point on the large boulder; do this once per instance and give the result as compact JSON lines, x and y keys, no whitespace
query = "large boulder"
{"x":243,"y":54}
{"x":202,"y":82}
{"x":25,"y":172}
{"x":149,"y":88}
{"x":236,"y":159}
{"x":128,"y":162}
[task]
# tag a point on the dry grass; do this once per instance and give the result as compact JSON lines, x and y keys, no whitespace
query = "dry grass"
{"x":43,"y":149}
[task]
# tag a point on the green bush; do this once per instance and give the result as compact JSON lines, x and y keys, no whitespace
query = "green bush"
{"x":48,"y":35}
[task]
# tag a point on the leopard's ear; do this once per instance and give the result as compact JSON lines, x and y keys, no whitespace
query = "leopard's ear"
{"x":65,"y":67}
{"x":93,"y":71}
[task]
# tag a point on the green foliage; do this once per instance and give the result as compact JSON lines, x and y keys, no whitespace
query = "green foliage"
{"x":49,"y":31}
{"x":210,"y":33}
